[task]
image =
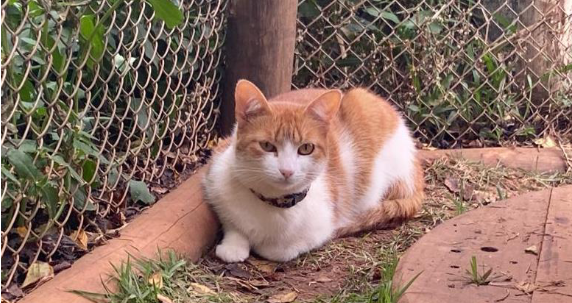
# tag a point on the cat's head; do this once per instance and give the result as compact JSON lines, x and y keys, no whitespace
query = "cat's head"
{"x":282,"y":146}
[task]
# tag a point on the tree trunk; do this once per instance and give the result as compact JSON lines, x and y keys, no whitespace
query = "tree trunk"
{"x":546,"y":44}
{"x":260,"y":48}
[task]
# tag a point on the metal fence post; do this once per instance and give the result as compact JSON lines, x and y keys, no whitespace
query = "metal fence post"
{"x":260,"y":48}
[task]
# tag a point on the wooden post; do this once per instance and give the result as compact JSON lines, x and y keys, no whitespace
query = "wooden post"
{"x":547,"y":43}
{"x":260,"y":48}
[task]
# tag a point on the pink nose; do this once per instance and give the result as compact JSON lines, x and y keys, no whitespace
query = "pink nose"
{"x":286,"y":173}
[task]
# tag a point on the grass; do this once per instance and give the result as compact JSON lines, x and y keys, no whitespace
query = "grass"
{"x":169,"y":278}
{"x":355,"y":270}
{"x":385,"y":292}
{"x":474,"y":275}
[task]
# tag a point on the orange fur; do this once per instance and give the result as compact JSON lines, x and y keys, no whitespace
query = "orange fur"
{"x":370,"y":121}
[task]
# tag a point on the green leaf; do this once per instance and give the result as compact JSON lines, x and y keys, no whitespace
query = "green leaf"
{"x":28,"y":146}
{"x":349,"y":61}
{"x":308,"y":9}
{"x":142,"y":116}
{"x":60,"y":161}
{"x":35,"y":9}
{"x":51,"y":199}
{"x":167,"y":11}
{"x":85,"y":148}
{"x":6,"y":204}
{"x":383,"y":14}
{"x":94,"y":36}
{"x":81,"y":200}
{"x":89,"y":169}
{"x":435,"y":27}
{"x":27,"y":92}
{"x":10,"y":176}
{"x":140,"y":192}
{"x":59,"y":60}
{"x":24,"y":164}
{"x":112,"y":177}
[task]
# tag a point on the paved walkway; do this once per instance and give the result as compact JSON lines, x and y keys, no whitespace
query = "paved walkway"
{"x":526,"y":240}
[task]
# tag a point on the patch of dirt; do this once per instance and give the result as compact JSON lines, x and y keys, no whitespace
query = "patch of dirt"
{"x":320,"y":273}
{"x":349,"y":266}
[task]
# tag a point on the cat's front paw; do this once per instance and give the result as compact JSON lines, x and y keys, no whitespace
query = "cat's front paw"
{"x":277,"y":253}
{"x":232,"y":253}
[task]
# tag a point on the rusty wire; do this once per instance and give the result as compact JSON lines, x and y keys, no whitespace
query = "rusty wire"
{"x":94,"y":131}
{"x":464,"y":73}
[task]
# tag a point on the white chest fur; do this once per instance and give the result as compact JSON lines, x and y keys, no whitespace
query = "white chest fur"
{"x":274,"y":233}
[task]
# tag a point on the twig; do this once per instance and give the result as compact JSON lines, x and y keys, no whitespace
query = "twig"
{"x":503,"y":298}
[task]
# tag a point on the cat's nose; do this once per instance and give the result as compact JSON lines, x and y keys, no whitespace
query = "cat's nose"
{"x":286,"y":173}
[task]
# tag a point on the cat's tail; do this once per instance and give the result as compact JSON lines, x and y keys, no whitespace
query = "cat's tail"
{"x":401,"y":204}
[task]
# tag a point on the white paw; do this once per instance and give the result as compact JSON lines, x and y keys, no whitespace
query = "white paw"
{"x":276,"y":254}
{"x":232,"y":253}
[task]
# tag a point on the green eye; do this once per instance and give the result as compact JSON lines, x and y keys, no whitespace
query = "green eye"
{"x":267,"y":147}
{"x":306,"y":149}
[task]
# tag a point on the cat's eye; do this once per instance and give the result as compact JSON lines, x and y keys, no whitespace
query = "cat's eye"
{"x":306,"y":149}
{"x":267,"y":147}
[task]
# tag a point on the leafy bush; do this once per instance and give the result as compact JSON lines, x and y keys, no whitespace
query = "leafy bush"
{"x":96,"y":96}
{"x":435,"y":60}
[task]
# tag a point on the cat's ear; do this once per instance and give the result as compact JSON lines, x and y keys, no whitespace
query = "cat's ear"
{"x":326,"y":106}
{"x":249,"y":101}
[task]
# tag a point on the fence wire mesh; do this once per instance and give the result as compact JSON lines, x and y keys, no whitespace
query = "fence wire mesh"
{"x":463,"y":72}
{"x":103,"y":103}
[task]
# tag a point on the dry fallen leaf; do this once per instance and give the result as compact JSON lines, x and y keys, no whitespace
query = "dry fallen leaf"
{"x":283,"y":298}
{"x":163,"y":299}
{"x":468,"y":192}
{"x":80,"y":238}
{"x":532,"y":250}
{"x":156,"y":279}
{"x":259,"y":283}
{"x":546,"y":142}
{"x":201,"y":289}
{"x":263,"y":266}
{"x":324,"y":279}
{"x":38,"y":272}
{"x":22,"y":231}
{"x":452,"y":184}
{"x":526,"y":287}
{"x":159,"y":190}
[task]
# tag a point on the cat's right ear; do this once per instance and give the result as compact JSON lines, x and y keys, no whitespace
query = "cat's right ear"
{"x":249,"y":101}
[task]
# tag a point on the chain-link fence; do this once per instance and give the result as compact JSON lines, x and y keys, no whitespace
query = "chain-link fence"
{"x":464,"y":72}
{"x":106,"y":102}
{"x":103,"y":103}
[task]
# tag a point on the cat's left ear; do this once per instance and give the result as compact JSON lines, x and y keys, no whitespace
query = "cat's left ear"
{"x":326,"y":106}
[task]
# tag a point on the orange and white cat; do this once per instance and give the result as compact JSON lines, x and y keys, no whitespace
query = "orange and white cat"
{"x":307,"y":166}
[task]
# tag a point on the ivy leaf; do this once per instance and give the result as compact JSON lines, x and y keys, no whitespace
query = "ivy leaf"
{"x":167,"y":11}
{"x":140,"y":192}
{"x":24,"y":164}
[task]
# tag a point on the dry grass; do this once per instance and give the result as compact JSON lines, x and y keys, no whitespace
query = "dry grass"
{"x":358,"y":269}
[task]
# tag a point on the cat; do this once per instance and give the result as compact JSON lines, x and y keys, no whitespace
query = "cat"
{"x":307,"y":166}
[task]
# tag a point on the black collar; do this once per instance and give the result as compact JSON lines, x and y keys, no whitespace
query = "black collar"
{"x":285,"y":201}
